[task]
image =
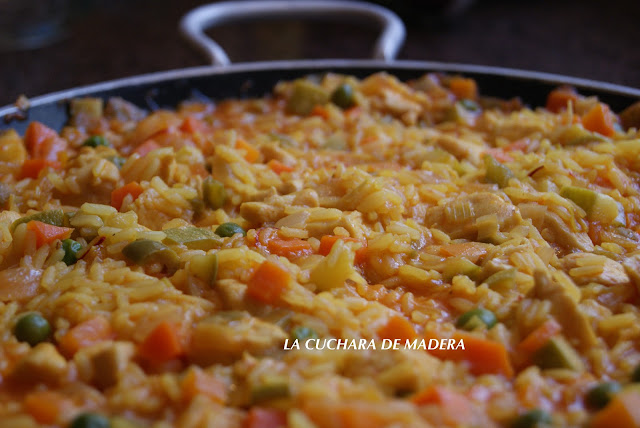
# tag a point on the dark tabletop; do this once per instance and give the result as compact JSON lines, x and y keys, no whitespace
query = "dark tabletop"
{"x":119,"y":38}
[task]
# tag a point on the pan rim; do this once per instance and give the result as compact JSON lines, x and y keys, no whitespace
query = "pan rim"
{"x":323,"y":65}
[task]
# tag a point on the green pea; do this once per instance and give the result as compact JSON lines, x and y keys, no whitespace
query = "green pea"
{"x":32,"y":328}
{"x":302,"y":333}
{"x":532,"y":419}
{"x":600,"y":395}
{"x":71,"y":249}
{"x":343,"y":96}
{"x":90,"y":420}
{"x":95,"y":141}
{"x":472,"y":319}
{"x":213,"y":193}
{"x":229,"y":229}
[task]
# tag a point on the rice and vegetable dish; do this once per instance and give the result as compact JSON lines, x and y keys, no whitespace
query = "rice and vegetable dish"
{"x":342,"y":253}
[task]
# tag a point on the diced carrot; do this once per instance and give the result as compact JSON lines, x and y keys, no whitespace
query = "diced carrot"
{"x":198,"y":382}
{"x":289,"y":247}
{"x":559,"y":99}
{"x":538,"y":337}
{"x":471,"y":251}
{"x":46,"y":407}
{"x":521,"y":144}
{"x":454,"y":407}
{"x":599,"y":119}
{"x":87,"y":333}
{"x":47,"y":233}
{"x":499,"y":155}
{"x":320,"y":111}
{"x":162,"y":344}
{"x":191,"y":125}
{"x":623,"y":411}
{"x":484,"y":356}
{"x":398,"y":327}
{"x":147,"y":147}
{"x":463,"y":88}
{"x":278,"y":167}
{"x":350,"y":414}
{"x":117,"y":196}
{"x":268,"y":282}
{"x":327,"y":241}
{"x":265,"y":418}
{"x":43,"y":142}
{"x":31,"y":167}
{"x":251,"y":154}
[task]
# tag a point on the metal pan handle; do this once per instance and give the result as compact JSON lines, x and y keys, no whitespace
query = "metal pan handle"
{"x":194,"y":23}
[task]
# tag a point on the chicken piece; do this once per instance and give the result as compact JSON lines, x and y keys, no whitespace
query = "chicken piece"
{"x":555,"y":231}
{"x":224,"y":337}
{"x":458,"y":217}
{"x":43,"y":363}
{"x":632,"y":267}
{"x":582,"y":269}
{"x":272,"y":151}
{"x":461,"y":149}
{"x":261,"y":212}
{"x":574,"y":322}
{"x":108,"y":363}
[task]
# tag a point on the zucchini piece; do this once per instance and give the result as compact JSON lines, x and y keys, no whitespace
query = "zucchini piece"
{"x":503,"y":280}
{"x":205,"y":267}
{"x":305,"y":96}
{"x":52,"y":217}
{"x":475,"y":318}
{"x":193,"y":237}
{"x":273,"y":387}
{"x":558,"y":354}
{"x":496,"y":172}
{"x":145,"y":251}
{"x":599,"y":207}
{"x":213,"y":193}
{"x":460,"y":266}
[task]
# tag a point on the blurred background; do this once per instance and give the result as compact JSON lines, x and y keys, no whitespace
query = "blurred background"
{"x":49,"y":45}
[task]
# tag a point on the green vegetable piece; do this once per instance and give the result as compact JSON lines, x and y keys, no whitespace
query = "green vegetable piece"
{"x":145,"y":251}
{"x":52,"y":217}
{"x":557,"y":354}
{"x":205,"y":267}
{"x":118,"y":161}
{"x":302,"y":334}
{"x":119,"y":422}
{"x":600,"y":395}
{"x":535,"y":418}
{"x":469,"y":105}
{"x":272,"y":388}
{"x":343,"y":96}
{"x":95,"y":141}
{"x":599,"y":207}
{"x":213,"y":193}
{"x":193,"y":237}
{"x":475,"y":318}
{"x":90,"y":420}
{"x":496,"y":172}
{"x":227,"y":230}
{"x":635,"y":375}
{"x":503,"y":280}
{"x":32,"y":328}
{"x":304,"y":97}
{"x":71,"y":249}
{"x":460,"y":266}
{"x":198,"y":205}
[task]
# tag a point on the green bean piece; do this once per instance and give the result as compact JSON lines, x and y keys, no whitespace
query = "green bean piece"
{"x":52,"y":217}
{"x":192,"y":237}
{"x":496,"y":172}
{"x":557,"y":354}
{"x":32,"y":328}
{"x":600,"y":395}
{"x":145,"y":251}
{"x":476,"y":317}
{"x":95,"y":141}
{"x":90,"y":420}
{"x":535,"y":418}
{"x":302,"y":333}
{"x":71,"y":249}
{"x":272,"y":388}
{"x":227,"y":230}
{"x":343,"y":96}
{"x":118,"y":161}
{"x":205,"y":267}
{"x":213,"y":193}
{"x":304,"y":97}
